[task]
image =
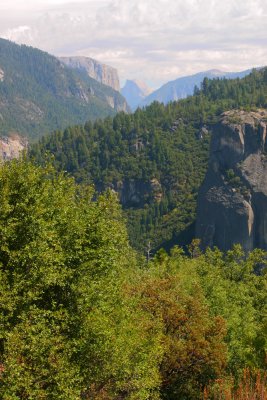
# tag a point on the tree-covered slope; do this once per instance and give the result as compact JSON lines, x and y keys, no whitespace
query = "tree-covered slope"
{"x":82,"y":318}
{"x":184,"y":86}
{"x":155,"y":158}
{"x":38,"y":93}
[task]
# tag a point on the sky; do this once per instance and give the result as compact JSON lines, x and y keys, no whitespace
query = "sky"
{"x":152,"y":40}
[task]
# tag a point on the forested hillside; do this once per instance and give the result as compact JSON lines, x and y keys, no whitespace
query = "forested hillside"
{"x":155,"y":158}
{"x":133,"y":237}
{"x":184,"y":86}
{"x":39,"y":94}
{"x":81,"y":317}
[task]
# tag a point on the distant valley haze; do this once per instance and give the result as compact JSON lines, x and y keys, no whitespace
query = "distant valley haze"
{"x":155,"y":42}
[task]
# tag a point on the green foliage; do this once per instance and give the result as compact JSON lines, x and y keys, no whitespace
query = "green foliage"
{"x":80,"y":319}
{"x":137,"y":154}
{"x":66,"y":329}
{"x":129,"y":152}
{"x":237,"y":293}
{"x":221,"y":287}
{"x":194,"y":352}
{"x":39,"y":94}
{"x":232,"y":179}
{"x":247,"y":92}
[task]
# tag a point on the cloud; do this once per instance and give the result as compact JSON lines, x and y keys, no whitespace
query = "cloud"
{"x":22,"y":33}
{"x":144,"y":38}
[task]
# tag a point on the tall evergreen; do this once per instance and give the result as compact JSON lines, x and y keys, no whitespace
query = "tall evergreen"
{"x":158,"y":154}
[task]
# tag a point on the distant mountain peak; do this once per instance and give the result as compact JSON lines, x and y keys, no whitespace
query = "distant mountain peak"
{"x":216,"y":71}
{"x":184,"y":86}
{"x":135,"y":91}
{"x":143,"y":86}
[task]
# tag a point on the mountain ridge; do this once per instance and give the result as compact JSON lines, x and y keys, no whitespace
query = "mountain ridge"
{"x":135,"y":91}
{"x":155,"y":159}
{"x":39,"y":94}
{"x":101,"y":72}
{"x":184,"y":86}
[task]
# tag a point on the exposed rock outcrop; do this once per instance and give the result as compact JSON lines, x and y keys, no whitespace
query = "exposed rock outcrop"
{"x":41,"y":94}
{"x":202,"y":132}
{"x":12,"y":146}
{"x":96,"y":70}
{"x":136,"y":192}
{"x":232,"y":202}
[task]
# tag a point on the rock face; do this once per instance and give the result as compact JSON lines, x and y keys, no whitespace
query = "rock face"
{"x":135,"y":92}
{"x":96,"y":70}
{"x":232,"y":202}
{"x":40,"y":94}
{"x":1,"y":75}
{"x":12,"y":146}
{"x":136,"y":192}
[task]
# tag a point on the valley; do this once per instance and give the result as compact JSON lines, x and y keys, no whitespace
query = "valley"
{"x":167,"y":145}
{"x":39,"y":94}
{"x":132,"y":244}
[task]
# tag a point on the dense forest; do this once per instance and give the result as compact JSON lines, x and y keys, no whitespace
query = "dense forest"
{"x":155,"y":159}
{"x":39,"y":94}
{"x":83,"y":314}
{"x":83,"y":317}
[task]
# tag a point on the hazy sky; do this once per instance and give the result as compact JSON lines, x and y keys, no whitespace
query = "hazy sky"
{"x":152,"y":40}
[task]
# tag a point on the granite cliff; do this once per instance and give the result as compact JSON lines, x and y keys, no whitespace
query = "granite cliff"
{"x":136,"y":192}
{"x":232,"y":202}
{"x":12,"y":146}
{"x":135,"y":91}
{"x":100,"y":72}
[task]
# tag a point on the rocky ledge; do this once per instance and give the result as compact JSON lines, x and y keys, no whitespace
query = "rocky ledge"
{"x":12,"y":146}
{"x":101,"y":72}
{"x":232,"y":202}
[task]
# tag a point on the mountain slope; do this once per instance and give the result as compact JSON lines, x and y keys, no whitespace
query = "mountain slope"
{"x":100,"y":72}
{"x":156,"y":158}
{"x":183,"y":87}
{"x":39,"y":94}
{"x":135,"y":92}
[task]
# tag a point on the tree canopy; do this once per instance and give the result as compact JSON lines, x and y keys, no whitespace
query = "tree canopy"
{"x":155,"y":158}
{"x":83,"y":317}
